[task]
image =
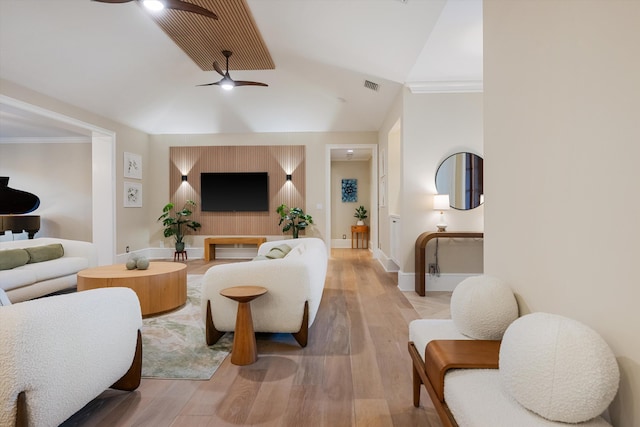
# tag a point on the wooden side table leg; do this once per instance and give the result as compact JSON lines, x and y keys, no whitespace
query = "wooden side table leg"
{"x":244,"y":350}
{"x":352,"y":239}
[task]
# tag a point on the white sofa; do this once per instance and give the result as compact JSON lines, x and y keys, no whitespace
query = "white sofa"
{"x":37,"y":279}
{"x":295,"y":283}
{"x":59,"y":353}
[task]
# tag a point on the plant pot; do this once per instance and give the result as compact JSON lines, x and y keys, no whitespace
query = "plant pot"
{"x":179,"y":246}
{"x":360,"y":222}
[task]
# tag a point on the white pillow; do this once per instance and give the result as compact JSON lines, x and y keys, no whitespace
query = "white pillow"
{"x":558,"y":368}
{"x":482,"y":307}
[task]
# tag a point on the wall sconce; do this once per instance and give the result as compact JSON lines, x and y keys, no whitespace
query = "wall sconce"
{"x":441,"y":203}
{"x":288,"y":177}
{"x":184,"y":178}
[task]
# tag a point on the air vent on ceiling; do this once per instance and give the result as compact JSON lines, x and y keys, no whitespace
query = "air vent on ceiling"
{"x":371,"y":85}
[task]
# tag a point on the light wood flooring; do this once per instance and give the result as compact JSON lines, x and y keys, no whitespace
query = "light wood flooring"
{"x":355,"y":371}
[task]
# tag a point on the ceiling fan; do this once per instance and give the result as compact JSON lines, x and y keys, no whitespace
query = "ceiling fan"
{"x":227,"y":82}
{"x":169,"y":4}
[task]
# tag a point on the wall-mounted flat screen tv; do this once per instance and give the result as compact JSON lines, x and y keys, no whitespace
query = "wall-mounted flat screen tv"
{"x":234,"y":191}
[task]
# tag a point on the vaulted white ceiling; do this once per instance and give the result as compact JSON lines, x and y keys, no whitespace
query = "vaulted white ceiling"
{"x":114,"y":60}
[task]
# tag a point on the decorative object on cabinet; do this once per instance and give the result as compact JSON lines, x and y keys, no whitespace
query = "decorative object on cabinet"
{"x":461,"y":176}
{"x":361,"y":214}
{"x":441,"y":203}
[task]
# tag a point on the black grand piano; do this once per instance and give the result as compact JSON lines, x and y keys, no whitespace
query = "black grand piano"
{"x":13,"y":205}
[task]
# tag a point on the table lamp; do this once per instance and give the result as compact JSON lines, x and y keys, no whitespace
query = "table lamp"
{"x":441,"y":203}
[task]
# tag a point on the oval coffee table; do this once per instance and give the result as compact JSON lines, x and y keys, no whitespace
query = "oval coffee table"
{"x":160,"y":288}
{"x":244,"y":350}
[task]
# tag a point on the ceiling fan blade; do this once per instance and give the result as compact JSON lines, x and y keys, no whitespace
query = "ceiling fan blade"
{"x":210,"y":84}
{"x":189,"y":7}
{"x":113,"y":1}
{"x":245,"y":83}
{"x":217,"y":68}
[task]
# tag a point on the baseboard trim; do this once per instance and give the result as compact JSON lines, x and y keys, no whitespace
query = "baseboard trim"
{"x":444,"y":282}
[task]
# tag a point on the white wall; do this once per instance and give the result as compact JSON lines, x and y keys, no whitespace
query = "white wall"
{"x":562,"y":145}
{"x":60,"y":175}
{"x":435,"y":126}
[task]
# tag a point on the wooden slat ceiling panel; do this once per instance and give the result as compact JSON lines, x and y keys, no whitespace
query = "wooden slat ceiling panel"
{"x":204,"y":39}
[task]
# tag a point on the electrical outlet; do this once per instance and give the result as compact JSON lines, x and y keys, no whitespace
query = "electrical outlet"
{"x":432,"y":268}
{"x":344,"y":236}
{"x":126,"y":249}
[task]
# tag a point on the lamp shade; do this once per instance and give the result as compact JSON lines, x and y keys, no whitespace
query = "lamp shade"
{"x":441,"y":202}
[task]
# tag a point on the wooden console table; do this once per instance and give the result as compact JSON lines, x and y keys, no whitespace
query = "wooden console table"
{"x":361,"y":232}
{"x":211,"y":242}
{"x":420,"y":250}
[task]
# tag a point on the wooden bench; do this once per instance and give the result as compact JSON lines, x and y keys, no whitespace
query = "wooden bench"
{"x":211,"y":242}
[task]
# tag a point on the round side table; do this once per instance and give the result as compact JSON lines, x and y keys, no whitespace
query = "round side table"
{"x":244,"y":350}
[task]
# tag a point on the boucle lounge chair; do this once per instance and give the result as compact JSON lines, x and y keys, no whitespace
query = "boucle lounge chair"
{"x":58,"y":353}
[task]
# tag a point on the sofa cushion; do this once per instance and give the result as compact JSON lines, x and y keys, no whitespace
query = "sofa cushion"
{"x":12,"y":258}
{"x":45,"y":252}
{"x":482,"y":307}
{"x":16,"y":278}
{"x":422,"y":331}
{"x":476,"y":398}
{"x":558,"y":368}
{"x":56,"y":268}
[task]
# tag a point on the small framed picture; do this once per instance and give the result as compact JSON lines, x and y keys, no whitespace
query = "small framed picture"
{"x":132,"y":165}
{"x":132,"y":195}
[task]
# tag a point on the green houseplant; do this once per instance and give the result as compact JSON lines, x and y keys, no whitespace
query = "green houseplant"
{"x":174,"y":222}
{"x":361,"y":214}
{"x":294,"y":219}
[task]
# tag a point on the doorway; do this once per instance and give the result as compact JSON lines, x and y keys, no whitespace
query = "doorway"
{"x":334,"y":151}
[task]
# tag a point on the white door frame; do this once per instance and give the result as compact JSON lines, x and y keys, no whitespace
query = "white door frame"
{"x":373,"y":229}
{"x":103,"y":149}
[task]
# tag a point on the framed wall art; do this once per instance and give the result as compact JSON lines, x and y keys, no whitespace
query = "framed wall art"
{"x":349,"y":190}
{"x":132,"y":165}
{"x":132,"y":195}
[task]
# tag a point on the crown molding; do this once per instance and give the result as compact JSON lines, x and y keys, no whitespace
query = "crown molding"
{"x":453,"y":86}
{"x":46,"y":140}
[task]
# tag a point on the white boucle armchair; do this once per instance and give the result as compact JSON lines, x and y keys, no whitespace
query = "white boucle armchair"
{"x":295,"y":284}
{"x":59,"y":353}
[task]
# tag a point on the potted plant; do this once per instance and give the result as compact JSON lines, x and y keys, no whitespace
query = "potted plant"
{"x":175,"y":222}
{"x":361,"y":214}
{"x":294,"y":219}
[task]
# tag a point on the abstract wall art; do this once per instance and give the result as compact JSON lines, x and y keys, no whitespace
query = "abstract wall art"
{"x":349,"y":190}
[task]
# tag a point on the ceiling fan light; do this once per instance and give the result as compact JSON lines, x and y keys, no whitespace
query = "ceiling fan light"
{"x":153,"y":4}
{"x":227,"y":83}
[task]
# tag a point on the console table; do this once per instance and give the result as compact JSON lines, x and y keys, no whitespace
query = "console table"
{"x":361,"y":232}
{"x":211,"y":242}
{"x":420,"y":250}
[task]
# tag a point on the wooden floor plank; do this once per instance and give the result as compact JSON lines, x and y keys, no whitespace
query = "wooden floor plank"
{"x":355,"y":370}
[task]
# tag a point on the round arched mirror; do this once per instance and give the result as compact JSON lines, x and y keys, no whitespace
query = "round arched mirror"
{"x":460,"y":176}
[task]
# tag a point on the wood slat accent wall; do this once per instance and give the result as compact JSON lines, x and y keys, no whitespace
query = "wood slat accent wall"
{"x":277,"y":161}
